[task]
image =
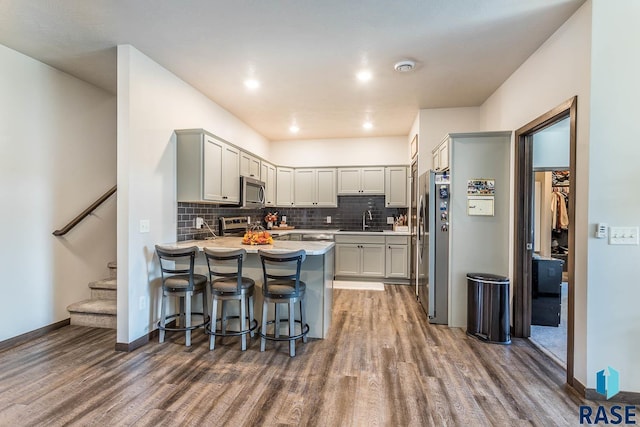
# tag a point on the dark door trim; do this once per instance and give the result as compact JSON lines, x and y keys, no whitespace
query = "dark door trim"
{"x":524,"y":223}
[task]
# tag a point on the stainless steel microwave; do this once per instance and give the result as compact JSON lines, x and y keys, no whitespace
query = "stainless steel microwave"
{"x":251,"y":193}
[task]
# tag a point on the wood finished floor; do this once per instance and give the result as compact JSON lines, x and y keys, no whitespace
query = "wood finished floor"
{"x":382,"y":365}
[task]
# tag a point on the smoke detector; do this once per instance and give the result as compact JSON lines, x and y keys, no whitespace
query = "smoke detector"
{"x":404,"y":66}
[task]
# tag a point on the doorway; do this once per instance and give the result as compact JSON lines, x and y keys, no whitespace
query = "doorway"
{"x":524,"y":224}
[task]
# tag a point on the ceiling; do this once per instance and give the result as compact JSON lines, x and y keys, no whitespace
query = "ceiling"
{"x":305,"y":53}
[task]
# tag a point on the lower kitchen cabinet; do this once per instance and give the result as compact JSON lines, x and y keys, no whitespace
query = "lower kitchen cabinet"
{"x":362,"y":256}
{"x":397,"y":257}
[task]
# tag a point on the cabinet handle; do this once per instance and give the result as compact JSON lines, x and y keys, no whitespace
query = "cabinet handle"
{"x":225,"y":197}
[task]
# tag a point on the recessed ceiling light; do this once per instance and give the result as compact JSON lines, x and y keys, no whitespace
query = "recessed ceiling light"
{"x":364,"y":75}
{"x":252,"y":84}
{"x":367,"y":125}
{"x":294,"y":128}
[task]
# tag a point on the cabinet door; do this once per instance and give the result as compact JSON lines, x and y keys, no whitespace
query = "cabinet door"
{"x":284,"y":187}
{"x":372,"y":181}
{"x":435,"y":155}
{"x":268,"y":175}
{"x":348,"y":259}
{"x":349,"y":181}
{"x":373,"y":263}
{"x":305,"y":187}
{"x":249,"y":165}
{"x":230,"y":174}
{"x":397,"y":261}
{"x":443,"y":153}
{"x":326,"y":188}
{"x":212,"y":189}
{"x":396,"y":187}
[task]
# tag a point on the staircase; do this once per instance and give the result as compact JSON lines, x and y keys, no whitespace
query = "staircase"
{"x":100,"y":310}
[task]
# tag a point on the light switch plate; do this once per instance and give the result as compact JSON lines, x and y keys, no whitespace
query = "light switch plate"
{"x":328,"y":219}
{"x":623,"y":236}
{"x":389,"y":220}
{"x":145,"y":226}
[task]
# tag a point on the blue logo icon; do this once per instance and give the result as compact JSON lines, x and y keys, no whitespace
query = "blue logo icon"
{"x":608,"y":385}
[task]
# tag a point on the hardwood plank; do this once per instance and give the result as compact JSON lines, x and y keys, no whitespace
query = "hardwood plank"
{"x":382,"y":364}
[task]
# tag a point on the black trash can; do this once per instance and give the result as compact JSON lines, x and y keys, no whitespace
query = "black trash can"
{"x":488,"y":307}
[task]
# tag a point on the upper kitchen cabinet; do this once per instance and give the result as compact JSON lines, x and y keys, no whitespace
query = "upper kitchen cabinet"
{"x":315,"y":187}
{"x":359,"y":181}
{"x":249,"y":165}
{"x":440,"y":156}
{"x":396,"y":187}
{"x":268,"y":176}
{"x":284,"y":187}
{"x":208,"y":168}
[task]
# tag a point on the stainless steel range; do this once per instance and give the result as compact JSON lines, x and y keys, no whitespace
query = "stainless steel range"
{"x":233,"y":226}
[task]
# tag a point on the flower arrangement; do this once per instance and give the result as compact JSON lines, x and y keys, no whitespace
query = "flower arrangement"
{"x":271,"y":219}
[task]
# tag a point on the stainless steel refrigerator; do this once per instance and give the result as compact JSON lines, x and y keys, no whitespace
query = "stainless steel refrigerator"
{"x":433,"y":245}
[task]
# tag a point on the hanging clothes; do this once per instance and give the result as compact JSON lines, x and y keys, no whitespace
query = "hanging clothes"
{"x":559,"y":213}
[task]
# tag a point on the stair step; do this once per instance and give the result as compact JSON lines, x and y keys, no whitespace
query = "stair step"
{"x":97,"y":313}
{"x":104,"y":289}
{"x":113,"y":269}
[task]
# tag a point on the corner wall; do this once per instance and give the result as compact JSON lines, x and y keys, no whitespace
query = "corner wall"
{"x":57,"y":135}
{"x":152,"y":103}
{"x":557,"y":71}
{"x":614,"y":289}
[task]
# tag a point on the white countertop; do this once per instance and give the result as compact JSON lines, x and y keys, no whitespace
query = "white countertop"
{"x":311,"y":248}
{"x":336,"y":231}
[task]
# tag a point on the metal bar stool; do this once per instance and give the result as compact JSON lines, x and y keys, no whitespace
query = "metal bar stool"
{"x":226,"y":265}
{"x":283,"y":287}
{"x":180,"y":281}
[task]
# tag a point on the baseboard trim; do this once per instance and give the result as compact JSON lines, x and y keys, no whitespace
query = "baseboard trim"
{"x":20,"y":339}
{"x":136,"y":344}
{"x":627,"y":397}
{"x":579,"y":387}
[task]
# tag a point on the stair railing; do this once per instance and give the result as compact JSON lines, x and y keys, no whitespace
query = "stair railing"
{"x":85,"y":213}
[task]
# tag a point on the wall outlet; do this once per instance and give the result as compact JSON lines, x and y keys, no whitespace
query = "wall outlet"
{"x":145,"y":226}
{"x":199,"y":222}
{"x":328,"y":219}
{"x":390,"y":220}
{"x":284,"y":218}
{"x":248,"y":219}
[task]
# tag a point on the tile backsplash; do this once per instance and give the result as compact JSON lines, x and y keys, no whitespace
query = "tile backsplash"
{"x":348,"y":215}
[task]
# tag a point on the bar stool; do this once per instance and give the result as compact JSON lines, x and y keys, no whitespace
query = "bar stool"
{"x":230,"y":285}
{"x":283,"y":287}
{"x":181,"y":281}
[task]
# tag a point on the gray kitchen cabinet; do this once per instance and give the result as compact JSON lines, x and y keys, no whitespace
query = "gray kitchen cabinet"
{"x":285,"y":187}
{"x":208,"y":168}
{"x":440,"y":156}
{"x":315,"y":187}
{"x":250,"y":165}
{"x":397,"y":257}
{"x":396,"y":187}
{"x":359,"y":181}
{"x":268,"y":176}
{"x":361,"y":256}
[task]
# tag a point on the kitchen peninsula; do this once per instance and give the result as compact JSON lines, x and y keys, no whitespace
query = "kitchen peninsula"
{"x":317,"y":272}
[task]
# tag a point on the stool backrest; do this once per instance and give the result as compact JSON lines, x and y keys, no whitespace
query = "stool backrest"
{"x":172,"y":261}
{"x":287,"y":266}
{"x":225,"y":264}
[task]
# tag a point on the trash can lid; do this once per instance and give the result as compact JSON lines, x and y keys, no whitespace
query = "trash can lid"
{"x":488,"y":277}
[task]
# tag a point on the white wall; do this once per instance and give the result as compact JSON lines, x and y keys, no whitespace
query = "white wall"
{"x":392,"y":150}
{"x":57,"y":136}
{"x":152,"y":103}
{"x":557,"y":71}
{"x":613,"y":271}
{"x":436,"y":123}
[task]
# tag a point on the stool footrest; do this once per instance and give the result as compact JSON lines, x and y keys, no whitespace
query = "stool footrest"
{"x":204,"y":323}
{"x":253,"y":325}
{"x":272,"y":337}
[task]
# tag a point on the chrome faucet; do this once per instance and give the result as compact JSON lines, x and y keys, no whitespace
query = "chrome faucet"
{"x":364,"y":219}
